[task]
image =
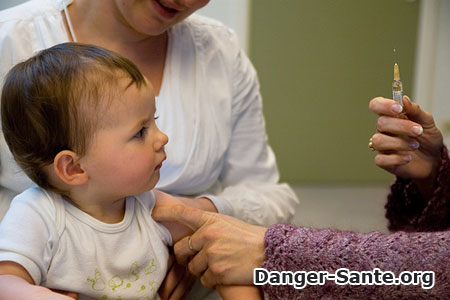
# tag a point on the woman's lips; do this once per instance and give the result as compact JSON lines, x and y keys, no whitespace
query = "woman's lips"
{"x":165,"y":12}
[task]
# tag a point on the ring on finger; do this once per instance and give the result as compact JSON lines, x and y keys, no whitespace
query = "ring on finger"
{"x":371,"y":144}
{"x":190,"y":245}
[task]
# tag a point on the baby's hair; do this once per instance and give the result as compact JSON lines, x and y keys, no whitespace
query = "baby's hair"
{"x":53,"y":102}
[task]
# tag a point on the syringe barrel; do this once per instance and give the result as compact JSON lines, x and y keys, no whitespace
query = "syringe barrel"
{"x":397,"y":91}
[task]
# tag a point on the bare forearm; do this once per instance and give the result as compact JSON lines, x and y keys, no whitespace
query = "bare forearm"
{"x":13,"y":287}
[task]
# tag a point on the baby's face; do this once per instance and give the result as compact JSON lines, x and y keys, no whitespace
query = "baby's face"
{"x":127,"y":151}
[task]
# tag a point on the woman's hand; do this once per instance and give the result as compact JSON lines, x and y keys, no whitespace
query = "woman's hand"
{"x":178,"y":281}
{"x":407,"y":147}
{"x":224,"y":250}
{"x":178,"y":230}
{"x":199,"y":203}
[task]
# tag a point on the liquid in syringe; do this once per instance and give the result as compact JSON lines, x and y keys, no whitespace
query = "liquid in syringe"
{"x":397,"y":88}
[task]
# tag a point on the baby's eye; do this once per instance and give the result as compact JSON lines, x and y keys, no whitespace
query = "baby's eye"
{"x":156,"y":117}
{"x":141,"y":133}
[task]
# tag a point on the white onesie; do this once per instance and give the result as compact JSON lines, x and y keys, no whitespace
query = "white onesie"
{"x":64,"y":248}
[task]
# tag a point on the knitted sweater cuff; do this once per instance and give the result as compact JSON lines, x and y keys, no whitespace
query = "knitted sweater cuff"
{"x":279,"y":245}
{"x":283,"y":252}
{"x":407,"y":210}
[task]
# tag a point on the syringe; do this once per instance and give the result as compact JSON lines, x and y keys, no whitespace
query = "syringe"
{"x":397,"y":88}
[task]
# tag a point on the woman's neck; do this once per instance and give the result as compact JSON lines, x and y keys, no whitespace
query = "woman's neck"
{"x":100,"y":23}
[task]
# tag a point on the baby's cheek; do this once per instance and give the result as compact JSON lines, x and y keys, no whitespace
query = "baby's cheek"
{"x":143,"y":167}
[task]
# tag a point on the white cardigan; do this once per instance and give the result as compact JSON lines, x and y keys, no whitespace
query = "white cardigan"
{"x":209,"y":106}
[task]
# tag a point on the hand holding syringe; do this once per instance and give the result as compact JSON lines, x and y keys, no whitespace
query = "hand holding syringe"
{"x":407,"y":140}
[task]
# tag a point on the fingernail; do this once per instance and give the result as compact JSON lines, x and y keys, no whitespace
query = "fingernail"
{"x":417,"y":130}
{"x":414,"y":145}
{"x":397,"y":108}
{"x":407,"y":158}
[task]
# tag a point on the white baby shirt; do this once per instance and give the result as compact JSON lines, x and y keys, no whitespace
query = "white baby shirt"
{"x":64,"y":248}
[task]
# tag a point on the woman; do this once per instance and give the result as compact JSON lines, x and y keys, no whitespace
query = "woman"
{"x":208,"y":97}
{"x":229,"y":250}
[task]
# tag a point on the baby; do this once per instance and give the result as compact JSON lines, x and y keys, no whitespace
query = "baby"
{"x":80,"y":121}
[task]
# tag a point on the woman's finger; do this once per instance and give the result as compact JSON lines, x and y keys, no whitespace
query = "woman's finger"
{"x":183,"y":287}
{"x":198,"y":264}
{"x":385,"y":106}
{"x":398,"y":126}
{"x":191,"y":217}
{"x":182,"y":252}
{"x":208,"y":280}
{"x":190,"y":284}
{"x":389,"y":161}
{"x":207,"y":232}
{"x":199,"y":238}
{"x":174,"y":275}
{"x":416,"y":114}
{"x":383,"y":142}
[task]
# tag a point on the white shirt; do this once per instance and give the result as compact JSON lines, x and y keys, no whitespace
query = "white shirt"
{"x":209,"y":106}
{"x":64,"y":248}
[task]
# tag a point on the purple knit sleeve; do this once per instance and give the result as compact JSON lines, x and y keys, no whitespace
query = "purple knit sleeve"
{"x":293,"y":248}
{"x":406,"y":210}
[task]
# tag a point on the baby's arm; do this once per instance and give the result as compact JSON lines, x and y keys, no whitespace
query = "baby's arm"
{"x":16,"y":283}
{"x":239,"y":292}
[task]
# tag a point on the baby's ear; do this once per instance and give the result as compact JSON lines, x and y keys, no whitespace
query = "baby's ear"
{"x":67,"y":167}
